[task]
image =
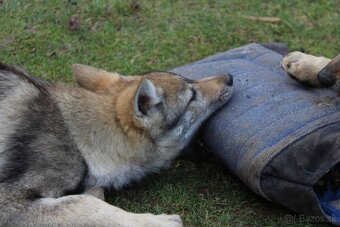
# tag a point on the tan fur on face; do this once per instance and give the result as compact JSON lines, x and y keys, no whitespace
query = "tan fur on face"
{"x":208,"y":87}
{"x":171,"y":84}
{"x":124,"y":109}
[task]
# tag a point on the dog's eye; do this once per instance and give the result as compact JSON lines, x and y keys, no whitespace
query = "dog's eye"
{"x":194,"y":94}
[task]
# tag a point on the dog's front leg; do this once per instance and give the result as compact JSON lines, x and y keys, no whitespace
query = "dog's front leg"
{"x":87,"y":210}
{"x":20,"y":207}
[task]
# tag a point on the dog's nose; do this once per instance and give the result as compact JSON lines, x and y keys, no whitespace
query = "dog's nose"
{"x":228,"y":80}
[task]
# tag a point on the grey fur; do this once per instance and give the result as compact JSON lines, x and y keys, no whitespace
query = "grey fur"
{"x":55,"y":144}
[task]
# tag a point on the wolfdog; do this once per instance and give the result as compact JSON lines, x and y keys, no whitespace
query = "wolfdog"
{"x":60,"y":146}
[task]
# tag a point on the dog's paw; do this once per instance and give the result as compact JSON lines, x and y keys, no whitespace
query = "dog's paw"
{"x":304,"y":67}
{"x":170,"y":220}
{"x":163,"y":220}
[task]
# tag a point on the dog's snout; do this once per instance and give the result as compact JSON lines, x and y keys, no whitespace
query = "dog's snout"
{"x":227,"y":79}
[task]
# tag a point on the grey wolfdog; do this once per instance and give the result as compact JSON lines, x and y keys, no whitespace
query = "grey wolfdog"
{"x":60,"y":146}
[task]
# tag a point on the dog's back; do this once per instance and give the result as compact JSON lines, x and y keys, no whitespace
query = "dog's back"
{"x":34,"y":142}
{"x":15,"y":91}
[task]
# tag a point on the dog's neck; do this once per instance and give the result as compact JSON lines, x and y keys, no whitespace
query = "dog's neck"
{"x":114,"y":158}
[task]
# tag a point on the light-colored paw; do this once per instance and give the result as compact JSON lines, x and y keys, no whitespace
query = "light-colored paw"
{"x":162,"y":220}
{"x":170,"y":220}
{"x":304,"y":67}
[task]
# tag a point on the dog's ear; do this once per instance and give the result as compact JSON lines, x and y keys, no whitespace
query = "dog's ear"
{"x":330,"y":72}
{"x":93,"y":79}
{"x":146,"y":97}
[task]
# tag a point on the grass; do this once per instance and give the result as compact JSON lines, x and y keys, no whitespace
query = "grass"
{"x":135,"y":36}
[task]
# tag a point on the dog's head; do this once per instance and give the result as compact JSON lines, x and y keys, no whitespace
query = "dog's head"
{"x":166,"y":107}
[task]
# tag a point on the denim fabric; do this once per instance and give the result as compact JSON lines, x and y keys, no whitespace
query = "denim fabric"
{"x":278,"y":136}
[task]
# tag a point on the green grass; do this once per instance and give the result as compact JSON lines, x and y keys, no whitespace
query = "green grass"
{"x":138,"y":36}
